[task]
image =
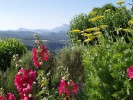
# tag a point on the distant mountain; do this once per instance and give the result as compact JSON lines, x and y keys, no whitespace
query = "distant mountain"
{"x":55,"y":38}
{"x":35,"y":30}
{"x":63,"y":27}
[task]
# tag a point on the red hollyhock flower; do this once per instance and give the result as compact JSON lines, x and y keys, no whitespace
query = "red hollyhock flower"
{"x":10,"y":96}
{"x":25,"y":97}
{"x":39,"y":57}
{"x":62,"y":87}
{"x":1,"y":97}
{"x":130,"y":72}
{"x":67,"y":87}
{"x":72,"y":87}
{"x":24,"y":80}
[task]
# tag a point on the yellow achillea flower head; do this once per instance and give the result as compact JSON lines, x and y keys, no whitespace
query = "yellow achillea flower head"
{"x":93,"y":13}
{"x":103,"y":26}
{"x":88,"y":35}
{"x":130,"y":22}
{"x":78,"y":40}
{"x":75,"y":31}
{"x":108,"y":10}
{"x":92,"y":29}
{"x":96,"y":18}
{"x":92,"y":19}
{"x":83,"y":34}
{"x":91,"y":37}
{"x":127,"y":30}
{"x":120,"y":29}
{"x":87,"y":40}
{"x":120,"y":2}
{"x":97,"y":33}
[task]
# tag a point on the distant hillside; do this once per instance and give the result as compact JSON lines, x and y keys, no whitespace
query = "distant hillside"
{"x":53,"y":40}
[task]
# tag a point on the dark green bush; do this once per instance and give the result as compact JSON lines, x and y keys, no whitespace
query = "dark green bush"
{"x":9,"y":47}
{"x":105,"y":69}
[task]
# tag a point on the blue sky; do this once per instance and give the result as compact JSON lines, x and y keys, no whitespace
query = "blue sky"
{"x":44,"y":14}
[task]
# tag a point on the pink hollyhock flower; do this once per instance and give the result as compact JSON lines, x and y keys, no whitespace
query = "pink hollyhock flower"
{"x":73,"y":87}
{"x":40,"y":56}
{"x":61,"y":87}
{"x":24,"y":80}
{"x":67,"y":87}
{"x":10,"y":96}
{"x":25,"y":97}
{"x":1,"y":97}
{"x":130,"y":72}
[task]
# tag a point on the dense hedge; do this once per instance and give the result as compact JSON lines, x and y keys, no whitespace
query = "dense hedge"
{"x":9,"y":47}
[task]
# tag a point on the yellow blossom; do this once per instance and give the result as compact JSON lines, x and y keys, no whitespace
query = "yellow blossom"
{"x":83,"y":34}
{"x":78,"y":40}
{"x":88,"y":35}
{"x":108,"y":10}
{"x":75,"y":31}
{"x":92,"y":19}
{"x":96,"y":18}
{"x":97,"y":33}
{"x":91,"y":37}
{"x":119,"y":2}
{"x":92,"y":29}
{"x":103,"y":26}
{"x":130,"y":22}
{"x":120,"y":29}
{"x":87,"y":40}
{"x":127,"y":30}
{"x":93,"y":13}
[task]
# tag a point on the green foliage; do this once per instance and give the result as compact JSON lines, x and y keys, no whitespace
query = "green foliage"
{"x":105,"y":69}
{"x":68,"y":62}
{"x":113,"y":17}
{"x":9,"y":47}
{"x":7,"y":81}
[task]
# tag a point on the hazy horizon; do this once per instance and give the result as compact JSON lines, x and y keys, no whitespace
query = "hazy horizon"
{"x":44,"y":14}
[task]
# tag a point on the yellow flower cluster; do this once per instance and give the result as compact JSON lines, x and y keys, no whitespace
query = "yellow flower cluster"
{"x":90,"y":36}
{"x":120,"y":29}
{"x":127,"y":30}
{"x":93,"y":13}
{"x":108,"y":10}
{"x":96,"y":18}
{"x":76,"y":31}
{"x":130,"y":22}
{"x":103,"y":26}
{"x":92,"y":29}
{"x":120,"y":2}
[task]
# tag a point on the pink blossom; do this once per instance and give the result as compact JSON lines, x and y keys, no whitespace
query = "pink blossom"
{"x":10,"y":96}
{"x":67,"y":87}
{"x":24,"y":80}
{"x":61,"y":87}
{"x":25,"y":97}
{"x":1,"y":97}
{"x":130,"y":72}
{"x":40,"y":56}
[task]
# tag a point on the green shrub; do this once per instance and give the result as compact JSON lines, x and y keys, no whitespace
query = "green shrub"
{"x":105,"y":69}
{"x":113,"y":17}
{"x":68,"y":62}
{"x":9,"y":47}
{"x":7,"y":81}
